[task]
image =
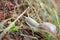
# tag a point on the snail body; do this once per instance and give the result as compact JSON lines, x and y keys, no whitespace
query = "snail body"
{"x":45,"y":25}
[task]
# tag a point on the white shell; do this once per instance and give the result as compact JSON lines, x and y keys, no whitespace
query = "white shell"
{"x":51,"y":27}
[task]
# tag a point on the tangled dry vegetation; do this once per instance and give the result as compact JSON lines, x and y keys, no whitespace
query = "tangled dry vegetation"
{"x":40,"y":10}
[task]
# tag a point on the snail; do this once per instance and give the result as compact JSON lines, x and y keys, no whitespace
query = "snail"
{"x":45,"y":25}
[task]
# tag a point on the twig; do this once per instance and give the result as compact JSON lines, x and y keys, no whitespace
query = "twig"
{"x":6,"y":30}
{"x":29,"y":36}
{"x":21,"y":15}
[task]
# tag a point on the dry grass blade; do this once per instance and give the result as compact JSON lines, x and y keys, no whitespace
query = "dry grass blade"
{"x":29,"y":36}
{"x":6,"y":30}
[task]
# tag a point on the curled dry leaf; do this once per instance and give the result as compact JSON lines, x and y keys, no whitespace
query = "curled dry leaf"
{"x":10,"y":6}
{"x":1,"y":4}
{"x":1,"y":15}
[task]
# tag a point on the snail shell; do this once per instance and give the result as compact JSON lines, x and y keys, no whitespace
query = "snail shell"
{"x":48,"y":27}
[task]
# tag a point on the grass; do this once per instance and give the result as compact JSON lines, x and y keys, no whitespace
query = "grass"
{"x":48,"y":9}
{"x":41,"y":11}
